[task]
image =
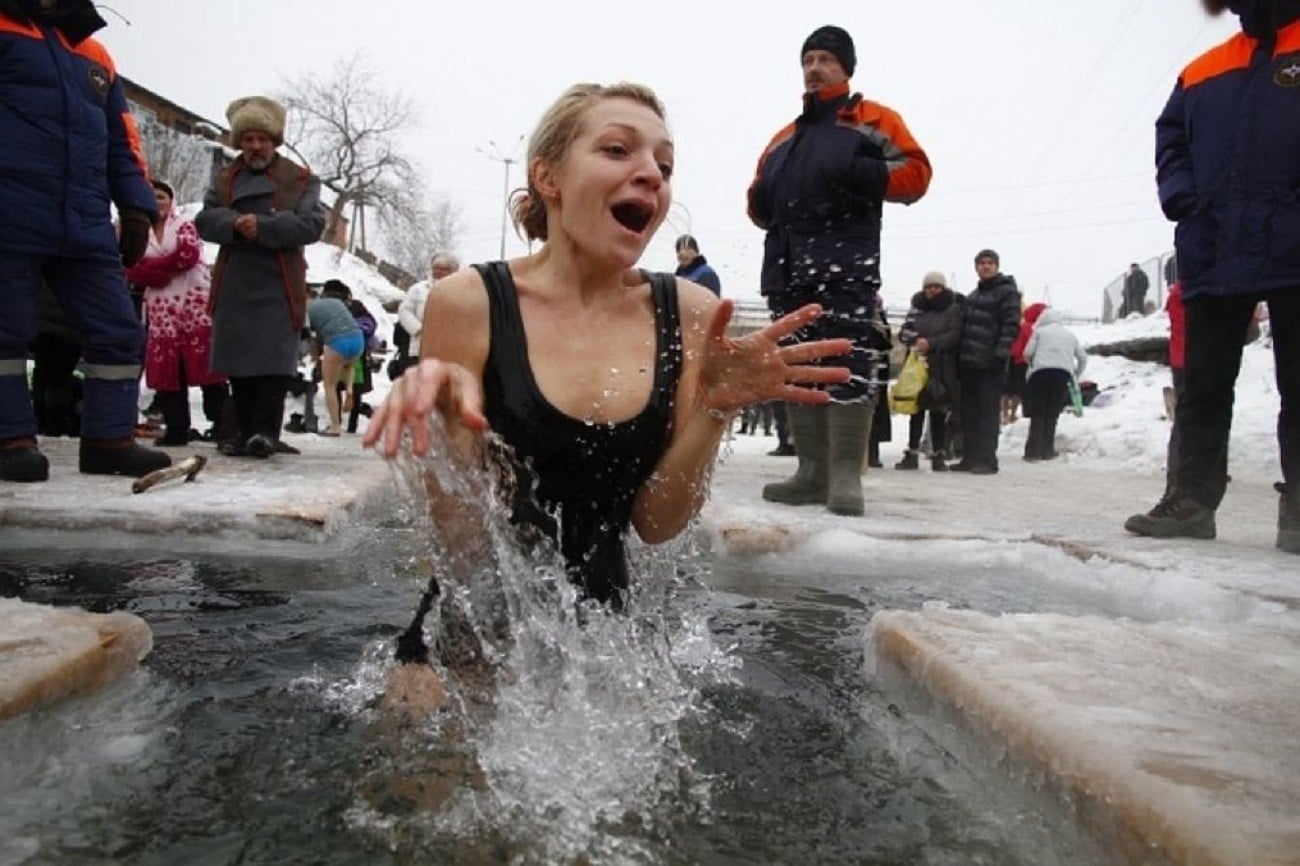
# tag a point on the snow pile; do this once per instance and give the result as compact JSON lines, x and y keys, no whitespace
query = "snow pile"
{"x":1127,"y":426}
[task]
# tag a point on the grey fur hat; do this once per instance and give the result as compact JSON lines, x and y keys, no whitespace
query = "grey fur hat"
{"x":255,"y":114}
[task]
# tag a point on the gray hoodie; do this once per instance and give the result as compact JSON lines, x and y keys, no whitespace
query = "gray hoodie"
{"x":1053,"y":347}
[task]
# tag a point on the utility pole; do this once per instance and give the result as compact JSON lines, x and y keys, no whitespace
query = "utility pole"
{"x":494,"y":153}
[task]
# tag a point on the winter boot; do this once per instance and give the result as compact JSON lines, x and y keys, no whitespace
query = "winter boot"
{"x":1174,"y":516}
{"x":175,"y":408}
{"x":911,"y":460}
{"x":259,"y":445}
{"x":22,"y":461}
{"x":809,"y":427}
{"x":850,"y":431}
{"x":120,"y":457}
{"x":1288,"y":521}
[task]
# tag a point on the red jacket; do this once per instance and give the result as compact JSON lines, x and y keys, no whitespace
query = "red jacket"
{"x":1027,"y":322}
{"x":1177,"y":326}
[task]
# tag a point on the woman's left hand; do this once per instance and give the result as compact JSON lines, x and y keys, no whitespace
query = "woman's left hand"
{"x":757,"y":368}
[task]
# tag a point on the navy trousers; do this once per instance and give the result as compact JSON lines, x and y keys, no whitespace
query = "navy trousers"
{"x":92,"y":293}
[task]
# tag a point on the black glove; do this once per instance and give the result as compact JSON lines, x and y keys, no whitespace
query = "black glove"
{"x":1180,"y":207}
{"x":133,"y":235}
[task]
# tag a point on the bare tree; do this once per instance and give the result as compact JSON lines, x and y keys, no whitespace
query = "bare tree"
{"x":345,"y":126}
{"x":183,"y":161}
{"x":413,"y":233}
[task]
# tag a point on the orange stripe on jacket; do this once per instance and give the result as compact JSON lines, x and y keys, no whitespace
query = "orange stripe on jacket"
{"x":95,"y":52}
{"x":909,"y":168}
{"x":1235,"y":54}
{"x":1220,"y":60}
{"x":9,"y":25}
{"x":1288,"y":39}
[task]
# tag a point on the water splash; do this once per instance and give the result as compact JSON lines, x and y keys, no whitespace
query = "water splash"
{"x":565,"y":722}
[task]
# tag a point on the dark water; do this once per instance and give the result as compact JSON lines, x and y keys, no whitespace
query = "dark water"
{"x":251,"y":735}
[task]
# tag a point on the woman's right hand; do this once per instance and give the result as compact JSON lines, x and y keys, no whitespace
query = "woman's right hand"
{"x":431,"y":385}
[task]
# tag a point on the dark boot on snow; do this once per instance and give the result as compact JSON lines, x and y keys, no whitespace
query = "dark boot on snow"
{"x":22,"y":461}
{"x":120,"y":457}
{"x":1174,"y":516}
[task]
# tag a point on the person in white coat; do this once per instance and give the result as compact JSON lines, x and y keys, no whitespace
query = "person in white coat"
{"x":1055,"y":357}
{"x":410,"y":315}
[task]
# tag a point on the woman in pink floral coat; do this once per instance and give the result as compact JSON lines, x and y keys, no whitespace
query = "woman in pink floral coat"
{"x":175,"y":280}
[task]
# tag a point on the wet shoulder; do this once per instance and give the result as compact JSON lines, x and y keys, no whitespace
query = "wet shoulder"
{"x":697,"y":306}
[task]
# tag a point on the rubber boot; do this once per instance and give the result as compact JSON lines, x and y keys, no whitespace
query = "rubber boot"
{"x":119,"y":457}
{"x":810,"y":431}
{"x":850,"y":432}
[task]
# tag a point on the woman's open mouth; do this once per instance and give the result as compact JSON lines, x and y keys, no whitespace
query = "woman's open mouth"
{"x":633,"y":216}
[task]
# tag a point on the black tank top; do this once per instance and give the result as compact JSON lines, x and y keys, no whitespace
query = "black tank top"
{"x":576,"y":480}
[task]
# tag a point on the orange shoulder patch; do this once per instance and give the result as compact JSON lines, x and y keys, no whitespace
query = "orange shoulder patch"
{"x":1228,"y":57}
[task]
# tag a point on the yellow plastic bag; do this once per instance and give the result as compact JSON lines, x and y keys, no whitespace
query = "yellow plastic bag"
{"x":905,"y":398}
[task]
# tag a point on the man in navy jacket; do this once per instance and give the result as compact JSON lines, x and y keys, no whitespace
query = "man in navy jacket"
{"x":68,"y":147}
{"x":1228,"y":168}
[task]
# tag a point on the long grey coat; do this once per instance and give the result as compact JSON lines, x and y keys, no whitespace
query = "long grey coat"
{"x":254,"y":332}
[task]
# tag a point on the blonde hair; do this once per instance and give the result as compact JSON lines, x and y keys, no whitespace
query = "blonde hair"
{"x":554,"y":137}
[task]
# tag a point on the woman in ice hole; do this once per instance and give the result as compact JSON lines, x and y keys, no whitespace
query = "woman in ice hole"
{"x":615,"y":384}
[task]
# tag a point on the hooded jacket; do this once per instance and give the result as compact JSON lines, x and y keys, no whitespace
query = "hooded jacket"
{"x":1053,"y":347}
{"x":820,"y":188}
{"x":1228,"y":157}
{"x":68,"y":144}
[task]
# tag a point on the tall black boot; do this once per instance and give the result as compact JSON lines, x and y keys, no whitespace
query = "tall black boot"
{"x":175,"y":406}
{"x":214,"y":403}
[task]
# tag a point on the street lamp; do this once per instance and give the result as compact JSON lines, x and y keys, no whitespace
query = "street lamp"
{"x":494,"y":153}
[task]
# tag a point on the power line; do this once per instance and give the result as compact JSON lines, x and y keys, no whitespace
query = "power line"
{"x":1089,"y":79}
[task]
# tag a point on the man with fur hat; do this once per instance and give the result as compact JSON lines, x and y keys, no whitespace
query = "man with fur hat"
{"x":1228,"y":172}
{"x":819,"y":193}
{"x":262,"y":209}
{"x":69,"y":147}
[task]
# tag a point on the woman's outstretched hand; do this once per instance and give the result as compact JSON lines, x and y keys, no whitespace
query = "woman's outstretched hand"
{"x":431,"y":385}
{"x":756,"y":368}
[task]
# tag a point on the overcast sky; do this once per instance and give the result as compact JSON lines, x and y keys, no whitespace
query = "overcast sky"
{"x":1037,"y":114}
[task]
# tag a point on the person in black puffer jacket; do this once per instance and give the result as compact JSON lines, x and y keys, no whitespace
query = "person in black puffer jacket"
{"x":991,"y":321}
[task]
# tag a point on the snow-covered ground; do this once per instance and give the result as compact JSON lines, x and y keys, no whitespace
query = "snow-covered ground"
{"x":1126,"y":427}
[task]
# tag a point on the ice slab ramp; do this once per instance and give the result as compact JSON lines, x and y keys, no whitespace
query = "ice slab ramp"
{"x":49,"y":653}
{"x":1181,"y":740}
{"x":302,"y":498}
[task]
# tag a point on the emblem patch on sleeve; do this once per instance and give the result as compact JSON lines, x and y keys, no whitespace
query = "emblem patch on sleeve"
{"x":1287,"y":73}
{"x":99,"y":79}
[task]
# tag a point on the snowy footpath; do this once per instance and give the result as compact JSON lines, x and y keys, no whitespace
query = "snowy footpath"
{"x":310,"y":498}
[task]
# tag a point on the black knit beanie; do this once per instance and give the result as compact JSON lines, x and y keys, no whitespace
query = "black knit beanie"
{"x":837,"y":41}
